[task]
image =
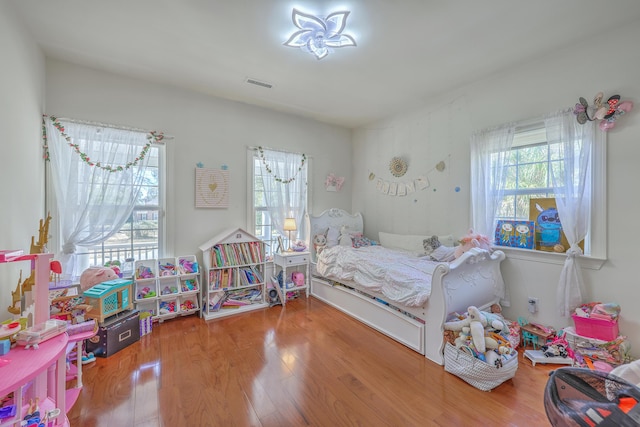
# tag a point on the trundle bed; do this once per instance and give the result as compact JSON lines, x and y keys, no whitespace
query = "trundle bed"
{"x":413,"y":317}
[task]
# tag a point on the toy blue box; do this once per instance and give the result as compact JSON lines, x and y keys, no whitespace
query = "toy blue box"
{"x":5,"y":346}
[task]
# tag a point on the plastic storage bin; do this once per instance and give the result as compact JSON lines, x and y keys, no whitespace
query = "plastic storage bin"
{"x":602,"y":329}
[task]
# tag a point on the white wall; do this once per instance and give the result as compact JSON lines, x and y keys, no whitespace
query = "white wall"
{"x":441,"y":130}
{"x":22,"y":171}
{"x":206,"y":129}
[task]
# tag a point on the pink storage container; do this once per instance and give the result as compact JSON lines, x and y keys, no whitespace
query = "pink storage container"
{"x":601,"y":329}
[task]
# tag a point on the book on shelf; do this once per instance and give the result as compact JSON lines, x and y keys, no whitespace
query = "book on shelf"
{"x":9,"y":254}
{"x":231,"y":301}
{"x":216,"y":301}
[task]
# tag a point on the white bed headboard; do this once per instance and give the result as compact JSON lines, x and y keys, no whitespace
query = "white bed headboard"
{"x":332,"y":218}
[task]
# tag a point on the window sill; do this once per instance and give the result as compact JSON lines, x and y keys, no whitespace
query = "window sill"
{"x":550,"y":257}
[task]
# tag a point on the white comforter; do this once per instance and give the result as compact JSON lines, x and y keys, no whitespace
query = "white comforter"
{"x":402,"y":277}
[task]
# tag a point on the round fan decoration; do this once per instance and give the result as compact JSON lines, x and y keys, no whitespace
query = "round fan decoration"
{"x":398,"y":167}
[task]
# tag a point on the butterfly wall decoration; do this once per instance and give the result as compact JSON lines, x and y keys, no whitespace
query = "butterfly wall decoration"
{"x":606,"y":112}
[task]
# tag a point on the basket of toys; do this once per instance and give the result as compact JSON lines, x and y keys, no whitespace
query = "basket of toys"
{"x":482,"y":355}
{"x":478,"y":373}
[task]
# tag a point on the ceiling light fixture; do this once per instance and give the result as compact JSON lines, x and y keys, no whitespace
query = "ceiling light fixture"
{"x":317,"y":35}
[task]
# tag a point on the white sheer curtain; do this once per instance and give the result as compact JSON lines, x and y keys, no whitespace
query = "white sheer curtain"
{"x":489,"y":157}
{"x":93,"y":201}
{"x":571,"y":181}
{"x":285,"y":187}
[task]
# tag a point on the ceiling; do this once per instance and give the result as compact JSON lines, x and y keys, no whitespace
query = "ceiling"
{"x":407,"y":52}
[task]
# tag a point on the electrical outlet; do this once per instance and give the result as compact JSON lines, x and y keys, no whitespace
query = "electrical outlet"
{"x":533,"y":304}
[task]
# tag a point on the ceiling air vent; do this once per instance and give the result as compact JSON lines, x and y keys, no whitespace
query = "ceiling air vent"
{"x":259,"y":83}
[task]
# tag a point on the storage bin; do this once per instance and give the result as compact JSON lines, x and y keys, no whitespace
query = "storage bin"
{"x":167,"y":267}
{"x":474,"y":371}
{"x":115,"y":334}
{"x":602,"y":329}
{"x":146,"y":269}
{"x":187,"y":265}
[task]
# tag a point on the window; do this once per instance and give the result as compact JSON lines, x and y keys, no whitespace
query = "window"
{"x":527,"y":173}
{"x":525,"y":168}
{"x":140,"y":236}
{"x":106,"y":193}
{"x":272,"y":201}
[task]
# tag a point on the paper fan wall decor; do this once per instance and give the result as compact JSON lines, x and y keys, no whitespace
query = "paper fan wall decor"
{"x":398,"y":167}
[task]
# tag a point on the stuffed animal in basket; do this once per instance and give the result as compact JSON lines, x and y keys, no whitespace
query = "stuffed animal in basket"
{"x":94,"y":275}
{"x":472,"y":240}
{"x":477,"y":321}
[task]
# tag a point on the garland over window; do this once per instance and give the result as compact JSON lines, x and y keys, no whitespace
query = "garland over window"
{"x":277,"y":178}
{"x":152,"y":137}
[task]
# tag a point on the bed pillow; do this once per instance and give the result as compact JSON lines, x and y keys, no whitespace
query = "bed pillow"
{"x":410,"y":242}
{"x":333,"y":236}
{"x":360,"y":241}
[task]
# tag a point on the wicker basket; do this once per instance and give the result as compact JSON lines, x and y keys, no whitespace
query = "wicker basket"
{"x":479,"y":374}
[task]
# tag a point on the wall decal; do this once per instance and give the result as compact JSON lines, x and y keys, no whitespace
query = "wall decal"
{"x":334,"y":183}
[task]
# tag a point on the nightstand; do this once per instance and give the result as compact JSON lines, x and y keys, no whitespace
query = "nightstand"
{"x":288,"y":263}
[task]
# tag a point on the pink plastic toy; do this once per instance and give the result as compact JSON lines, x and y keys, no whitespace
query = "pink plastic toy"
{"x":297,"y":278}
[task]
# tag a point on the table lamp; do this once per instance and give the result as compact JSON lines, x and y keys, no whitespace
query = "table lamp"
{"x":289,"y":226}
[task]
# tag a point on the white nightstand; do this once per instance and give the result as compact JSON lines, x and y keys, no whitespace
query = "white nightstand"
{"x":288,"y":262}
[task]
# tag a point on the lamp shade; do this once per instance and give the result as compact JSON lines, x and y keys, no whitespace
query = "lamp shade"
{"x":289,"y":224}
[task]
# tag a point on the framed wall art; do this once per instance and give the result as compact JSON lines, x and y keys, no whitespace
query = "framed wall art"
{"x":549,"y":234}
{"x":212,"y":188}
{"x":516,"y":234}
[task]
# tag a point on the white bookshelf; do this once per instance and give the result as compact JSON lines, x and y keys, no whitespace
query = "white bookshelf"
{"x":234,"y":274}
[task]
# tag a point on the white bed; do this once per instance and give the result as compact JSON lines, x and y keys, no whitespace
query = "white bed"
{"x":472,"y":279}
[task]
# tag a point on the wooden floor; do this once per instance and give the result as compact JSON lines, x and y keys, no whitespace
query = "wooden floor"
{"x":305,"y":365}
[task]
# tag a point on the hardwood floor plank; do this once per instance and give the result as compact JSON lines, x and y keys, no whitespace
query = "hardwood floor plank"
{"x":306,"y":364}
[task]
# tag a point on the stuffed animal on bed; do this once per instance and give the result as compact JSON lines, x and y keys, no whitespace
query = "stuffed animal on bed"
{"x":430,"y":244}
{"x":346,"y":235}
{"x":472,"y":240}
{"x":320,"y":242}
{"x":436,"y":251}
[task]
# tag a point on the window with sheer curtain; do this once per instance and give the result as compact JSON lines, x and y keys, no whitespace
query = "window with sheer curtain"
{"x":278,"y":191}
{"x":106,"y":192}
{"x":555,"y":157}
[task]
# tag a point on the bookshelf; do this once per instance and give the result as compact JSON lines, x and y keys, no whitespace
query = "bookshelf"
{"x":234,"y":273}
{"x":167,"y":287}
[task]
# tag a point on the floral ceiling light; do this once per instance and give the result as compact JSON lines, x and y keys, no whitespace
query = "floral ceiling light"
{"x":317,"y":35}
